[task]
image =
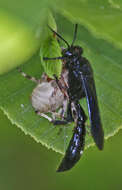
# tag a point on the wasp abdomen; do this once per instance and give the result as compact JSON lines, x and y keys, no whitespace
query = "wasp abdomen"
{"x":77,"y":142}
{"x":75,"y":148}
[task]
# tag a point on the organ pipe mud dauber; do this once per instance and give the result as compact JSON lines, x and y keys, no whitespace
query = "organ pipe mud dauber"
{"x":80,"y":84}
{"x":76,"y":82}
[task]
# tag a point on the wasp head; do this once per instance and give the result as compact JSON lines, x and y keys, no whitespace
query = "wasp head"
{"x":72,"y":51}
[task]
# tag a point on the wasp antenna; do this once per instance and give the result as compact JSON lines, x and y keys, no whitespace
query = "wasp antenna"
{"x":59,"y":36}
{"x":75,"y":33}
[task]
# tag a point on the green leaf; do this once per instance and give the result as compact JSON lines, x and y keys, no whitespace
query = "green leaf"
{"x":106,"y":62}
{"x":23,"y":33}
{"x":50,"y":48}
{"x":102,"y":18}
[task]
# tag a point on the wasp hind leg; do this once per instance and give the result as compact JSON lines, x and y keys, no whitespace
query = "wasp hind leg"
{"x":55,"y":122}
{"x":67,"y":119}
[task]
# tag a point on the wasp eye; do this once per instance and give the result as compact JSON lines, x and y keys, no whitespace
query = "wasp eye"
{"x":68,"y":53}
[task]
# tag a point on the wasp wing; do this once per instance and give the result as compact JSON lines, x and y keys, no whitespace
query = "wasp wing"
{"x":93,"y":109}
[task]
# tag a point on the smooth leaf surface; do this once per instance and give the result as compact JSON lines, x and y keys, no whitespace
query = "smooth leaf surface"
{"x":50,"y":48}
{"x":106,"y":62}
{"x":102,"y":18}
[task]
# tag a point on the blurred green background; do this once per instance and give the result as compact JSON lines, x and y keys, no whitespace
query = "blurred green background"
{"x":25,"y":164}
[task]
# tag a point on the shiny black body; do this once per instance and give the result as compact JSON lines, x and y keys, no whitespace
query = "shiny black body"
{"x":77,"y":142}
{"x":80,"y":84}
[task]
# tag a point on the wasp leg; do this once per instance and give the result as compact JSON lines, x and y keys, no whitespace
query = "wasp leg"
{"x":59,"y":122}
{"x":67,"y":119}
{"x":52,"y":58}
{"x":77,"y":142}
{"x":28,"y":76}
{"x":69,"y":113}
{"x":54,"y":115}
{"x":55,"y":122}
{"x":62,"y":111}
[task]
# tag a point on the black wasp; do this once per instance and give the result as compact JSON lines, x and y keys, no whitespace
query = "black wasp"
{"x":80,"y":84}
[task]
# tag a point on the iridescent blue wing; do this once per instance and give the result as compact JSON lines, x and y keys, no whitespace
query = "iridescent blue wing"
{"x":93,"y":109}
